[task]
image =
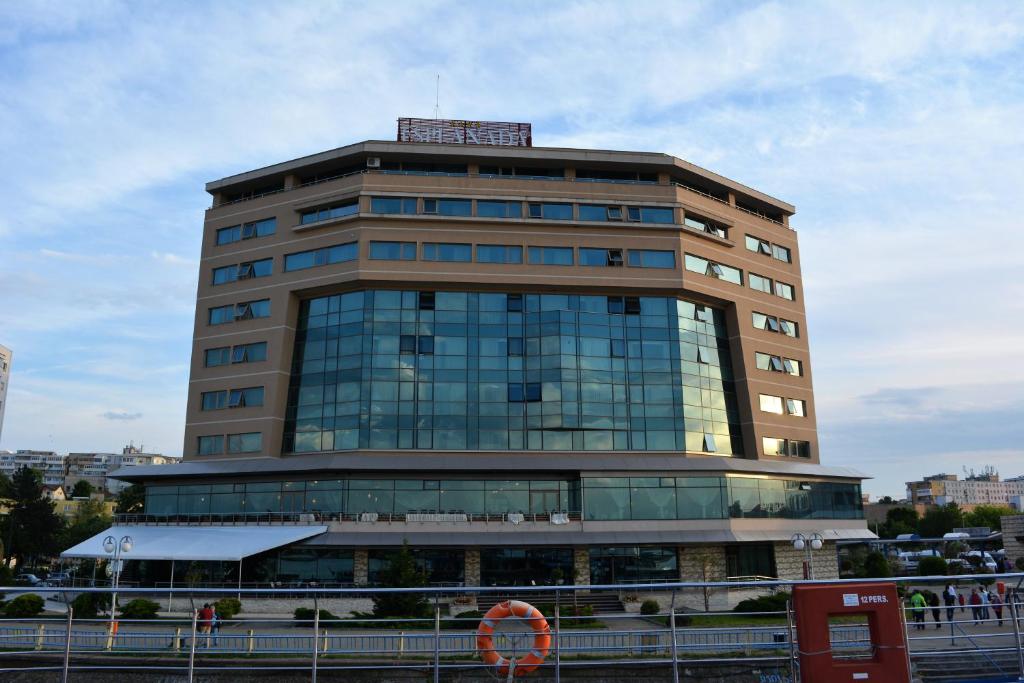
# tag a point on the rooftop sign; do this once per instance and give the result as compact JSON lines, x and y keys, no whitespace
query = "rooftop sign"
{"x":448,"y":131}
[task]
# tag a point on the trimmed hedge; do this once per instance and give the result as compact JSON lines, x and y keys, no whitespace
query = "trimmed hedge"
{"x":139,"y":609}
{"x":775,"y":602}
{"x":27,"y":605}
{"x":227,"y":607}
{"x":649,"y":607}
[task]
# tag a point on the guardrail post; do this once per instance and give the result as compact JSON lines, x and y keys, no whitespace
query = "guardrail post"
{"x":437,"y":643}
{"x":176,"y":645}
{"x":325,"y":641}
{"x":1015,"y":616}
{"x":675,"y":645}
{"x":316,"y":634}
{"x":67,"y":646}
{"x":401,"y":644}
{"x":558,"y":637}
{"x":792,"y":641}
{"x":250,"y":641}
{"x":192,"y":646}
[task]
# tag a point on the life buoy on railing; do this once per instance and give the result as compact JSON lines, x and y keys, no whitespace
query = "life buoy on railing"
{"x":541,"y":637}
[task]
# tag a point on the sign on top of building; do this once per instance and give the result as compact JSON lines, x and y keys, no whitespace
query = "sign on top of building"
{"x":453,"y":131}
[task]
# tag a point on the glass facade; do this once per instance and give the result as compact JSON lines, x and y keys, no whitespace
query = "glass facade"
{"x":633,"y":564}
{"x":492,"y":371}
{"x":442,"y":566}
{"x":524,"y":566}
{"x":600,"y":498}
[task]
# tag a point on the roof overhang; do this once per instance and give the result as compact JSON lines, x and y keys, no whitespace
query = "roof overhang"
{"x":225,"y":543}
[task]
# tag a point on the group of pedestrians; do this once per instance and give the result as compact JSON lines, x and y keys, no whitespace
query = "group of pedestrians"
{"x":208,"y":624}
{"x":983,"y":603}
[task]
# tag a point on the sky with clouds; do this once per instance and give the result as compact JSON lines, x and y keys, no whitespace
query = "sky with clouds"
{"x":897,"y":129}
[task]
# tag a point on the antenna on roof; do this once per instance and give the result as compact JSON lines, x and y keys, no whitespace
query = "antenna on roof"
{"x":437,"y":97}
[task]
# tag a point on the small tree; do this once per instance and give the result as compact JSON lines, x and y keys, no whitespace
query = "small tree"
{"x":82,"y":489}
{"x":23,"y":606}
{"x":131,"y":499}
{"x":931,"y":566}
{"x":876,"y":566}
{"x":402,"y":572}
{"x":140,"y":609}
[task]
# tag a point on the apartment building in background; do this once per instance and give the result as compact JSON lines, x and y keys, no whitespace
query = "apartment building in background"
{"x":975,"y":489}
{"x":517,"y":359}
{"x":95,"y":468}
{"x":49,"y":464}
{"x":6,"y":358}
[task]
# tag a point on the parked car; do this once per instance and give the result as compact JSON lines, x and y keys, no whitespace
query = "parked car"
{"x":26,"y":580}
{"x":58,"y":579}
{"x":908,"y":561}
{"x":980,"y":559}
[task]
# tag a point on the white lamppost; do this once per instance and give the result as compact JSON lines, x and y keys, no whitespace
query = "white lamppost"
{"x":807,"y":544}
{"x":116,"y":548}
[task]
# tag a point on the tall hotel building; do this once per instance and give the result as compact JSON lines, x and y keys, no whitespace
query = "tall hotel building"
{"x":514,"y":358}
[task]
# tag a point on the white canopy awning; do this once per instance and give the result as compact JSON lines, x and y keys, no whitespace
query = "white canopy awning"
{"x":228,"y":543}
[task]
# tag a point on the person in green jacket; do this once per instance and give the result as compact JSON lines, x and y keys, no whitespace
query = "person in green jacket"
{"x":918,"y":605}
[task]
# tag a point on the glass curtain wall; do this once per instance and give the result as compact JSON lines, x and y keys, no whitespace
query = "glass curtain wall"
{"x":482,"y":371}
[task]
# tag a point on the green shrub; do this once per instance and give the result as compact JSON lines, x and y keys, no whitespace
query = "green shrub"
{"x":28,"y":605}
{"x":89,"y":605}
{"x":876,"y":566}
{"x":931,"y":566}
{"x":139,"y":608}
{"x":650,"y":607}
{"x":775,"y":602}
{"x":470,"y":614}
{"x":304,"y":616}
{"x":227,"y":607}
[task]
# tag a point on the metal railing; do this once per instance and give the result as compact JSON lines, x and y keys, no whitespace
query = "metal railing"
{"x":298,"y":518}
{"x":659,"y":644}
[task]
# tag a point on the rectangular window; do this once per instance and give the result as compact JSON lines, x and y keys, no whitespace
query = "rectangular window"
{"x":326,"y":213}
{"x":211,"y":445}
{"x":599,"y":212}
{"x":514,"y":303}
{"x":760,"y":283}
{"x":555,"y":212}
{"x":235,"y":233}
{"x":792,"y":367}
{"x":250,"y":442}
{"x":654,"y":214}
{"x":763,"y":321}
{"x":426,"y":301}
{"x":393,"y":251}
{"x":443,"y":251}
{"x":400,"y":205}
{"x":649,"y":258}
{"x":521,"y":172}
{"x":786,"y":447}
{"x":252,"y":309}
{"x":550,"y":256}
{"x":772,"y":446}
{"x":489,"y":209}
{"x":425,"y":345}
{"x":788,"y":328}
{"x":600,"y":257}
{"x":515,"y":346}
{"x":321,"y":257}
{"x":765,"y":361}
{"x":250,"y":397}
{"x":758,"y":245}
{"x":782,"y":253}
{"x":214,"y":400}
{"x":498,"y":253}
{"x":243,"y":271}
{"x":796,"y":407}
{"x":771,"y":404}
{"x":249,"y":353}
{"x":407,"y":343}
{"x":448,"y":207}
{"x":225,"y":274}
{"x":696,"y":264}
{"x":222,"y":314}
{"x":218,"y":356}
{"x":704,"y":225}
{"x":784,"y":290}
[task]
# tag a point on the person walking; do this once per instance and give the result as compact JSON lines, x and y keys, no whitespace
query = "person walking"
{"x":933,"y":602}
{"x":960,"y":599}
{"x":204,"y":622}
{"x":918,"y":605}
{"x":949,"y":596}
{"x":985,"y":599}
{"x":975,"y":601}
{"x":997,"y":606}
{"x":215,"y":621}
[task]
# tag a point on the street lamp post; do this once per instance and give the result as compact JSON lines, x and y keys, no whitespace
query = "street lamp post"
{"x":807,"y":544}
{"x":116,"y":548}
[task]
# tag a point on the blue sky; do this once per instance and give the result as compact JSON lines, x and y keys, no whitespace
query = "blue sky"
{"x":897,"y":129}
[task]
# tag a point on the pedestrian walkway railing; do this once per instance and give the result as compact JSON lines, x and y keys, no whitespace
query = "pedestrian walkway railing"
{"x":945,"y":639}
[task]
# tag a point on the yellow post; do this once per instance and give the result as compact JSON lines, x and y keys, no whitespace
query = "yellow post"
{"x":251,"y":641}
{"x":177,"y":639}
{"x":40,"y":636}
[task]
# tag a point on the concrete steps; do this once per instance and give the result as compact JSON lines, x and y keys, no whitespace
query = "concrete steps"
{"x":602,"y":602}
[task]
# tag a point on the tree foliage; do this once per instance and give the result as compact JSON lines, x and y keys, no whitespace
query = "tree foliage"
{"x":988,"y":515}
{"x":876,"y":566}
{"x":401,"y":572}
{"x":32,"y":527}
{"x":82,"y":489}
{"x":131,"y":499}
{"x":941,"y":520}
{"x":90,"y":519}
{"x":899,"y":520}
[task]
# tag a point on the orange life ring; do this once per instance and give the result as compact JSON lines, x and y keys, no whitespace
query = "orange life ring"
{"x":541,"y":637}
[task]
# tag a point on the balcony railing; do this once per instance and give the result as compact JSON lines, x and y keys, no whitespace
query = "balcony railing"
{"x":299,"y":518}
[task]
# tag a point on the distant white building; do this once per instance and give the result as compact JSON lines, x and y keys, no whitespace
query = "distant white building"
{"x":6,"y":358}
{"x":48,"y":463}
{"x":980,"y":489}
{"x":96,"y":467}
